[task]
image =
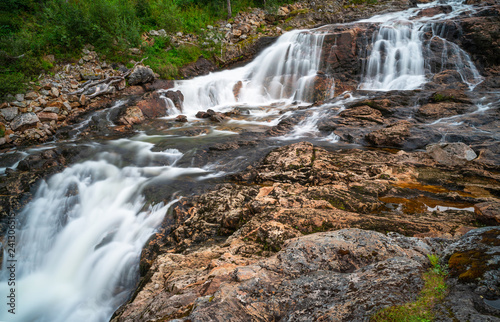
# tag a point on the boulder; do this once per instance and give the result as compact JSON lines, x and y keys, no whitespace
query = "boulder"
{"x":132,"y":115}
{"x":181,"y":118}
{"x":9,"y":113}
{"x":153,"y":105}
{"x":24,"y":121}
{"x":201,"y":67}
{"x":393,"y":135}
{"x":488,"y":212}
{"x":176,"y":97}
{"x":451,"y":154}
{"x":141,"y":75}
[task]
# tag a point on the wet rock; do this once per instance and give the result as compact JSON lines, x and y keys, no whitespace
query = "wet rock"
{"x":430,"y":12}
{"x":236,"y":90}
{"x":440,"y":110}
{"x":141,"y":75}
{"x":132,"y":115}
{"x":488,"y":212}
{"x":201,"y":67}
{"x":176,"y":97}
{"x":363,"y":112}
{"x":181,"y":118}
{"x":393,"y":135}
{"x":24,"y":121}
{"x":9,"y":113}
{"x":153,"y":105}
{"x":451,"y":154}
{"x":475,"y":259}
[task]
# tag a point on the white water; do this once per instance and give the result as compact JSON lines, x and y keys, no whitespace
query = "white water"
{"x":78,"y":242}
{"x":397,"y":61}
{"x":284,"y":71}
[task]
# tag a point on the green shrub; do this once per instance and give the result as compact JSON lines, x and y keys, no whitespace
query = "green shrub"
{"x":11,"y":83}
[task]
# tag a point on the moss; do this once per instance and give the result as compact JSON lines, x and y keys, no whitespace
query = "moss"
{"x":433,"y":292}
{"x":337,"y":204}
{"x":472,"y":264}
{"x":438,"y":97}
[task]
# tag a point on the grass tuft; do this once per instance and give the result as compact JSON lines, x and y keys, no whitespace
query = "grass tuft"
{"x":421,"y":310}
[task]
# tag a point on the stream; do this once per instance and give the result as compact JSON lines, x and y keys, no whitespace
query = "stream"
{"x":78,"y":241}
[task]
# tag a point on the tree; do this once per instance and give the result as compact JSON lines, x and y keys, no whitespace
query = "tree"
{"x":229,"y":12}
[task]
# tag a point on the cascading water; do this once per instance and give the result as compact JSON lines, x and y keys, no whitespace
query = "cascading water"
{"x":397,"y":60}
{"x":284,"y":71}
{"x":78,"y":242}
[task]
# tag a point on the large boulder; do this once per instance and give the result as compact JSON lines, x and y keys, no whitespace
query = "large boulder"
{"x":141,"y":75}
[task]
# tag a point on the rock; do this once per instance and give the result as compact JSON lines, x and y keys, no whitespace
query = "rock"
{"x":141,"y":75}
{"x":475,"y":259}
{"x":488,"y":212}
{"x":283,"y":11}
{"x":202,"y":115}
{"x":236,"y":90}
{"x":135,"y":51}
{"x":52,"y":109}
{"x":153,"y":105}
{"x":19,"y":97}
{"x":19,"y":104}
{"x":393,"y":135}
{"x":54,"y":92}
{"x":31,"y":96}
{"x":181,"y":118}
{"x":47,"y":116}
{"x":24,"y":121}
{"x":432,"y":11}
{"x":9,"y":113}
{"x":451,"y":154}
{"x":162,"y":33}
{"x":176,"y":97}
{"x":132,"y":115}
{"x":201,"y":67}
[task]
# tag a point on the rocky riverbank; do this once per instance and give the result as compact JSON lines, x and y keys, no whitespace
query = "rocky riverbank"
{"x":254,"y":248}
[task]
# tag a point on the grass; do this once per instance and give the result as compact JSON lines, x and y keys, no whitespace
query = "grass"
{"x":421,"y":310}
{"x":33,"y":29}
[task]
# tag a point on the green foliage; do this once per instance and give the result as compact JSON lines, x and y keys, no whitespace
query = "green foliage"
{"x":34,"y":28}
{"x":434,"y":292}
{"x":11,"y":83}
{"x":166,"y":60}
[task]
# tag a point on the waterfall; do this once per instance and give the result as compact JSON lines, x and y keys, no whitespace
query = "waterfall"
{"x":284,"y":71}
{"x":396,"y":59}
{"x":78,"y":242}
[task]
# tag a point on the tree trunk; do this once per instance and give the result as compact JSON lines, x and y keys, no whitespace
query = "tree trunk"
{"x":229,"y":12}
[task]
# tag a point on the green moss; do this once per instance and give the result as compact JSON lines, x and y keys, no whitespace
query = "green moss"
{"x":422,"y":309}
{"x":438,"y":97}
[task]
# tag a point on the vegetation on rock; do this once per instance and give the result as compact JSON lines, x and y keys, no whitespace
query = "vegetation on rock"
{"x":433,"y":292}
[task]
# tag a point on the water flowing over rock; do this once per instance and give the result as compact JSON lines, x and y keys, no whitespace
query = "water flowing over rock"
{"x":310,"y":184}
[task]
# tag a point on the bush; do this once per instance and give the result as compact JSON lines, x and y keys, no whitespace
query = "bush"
{"x":11,"y":83}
